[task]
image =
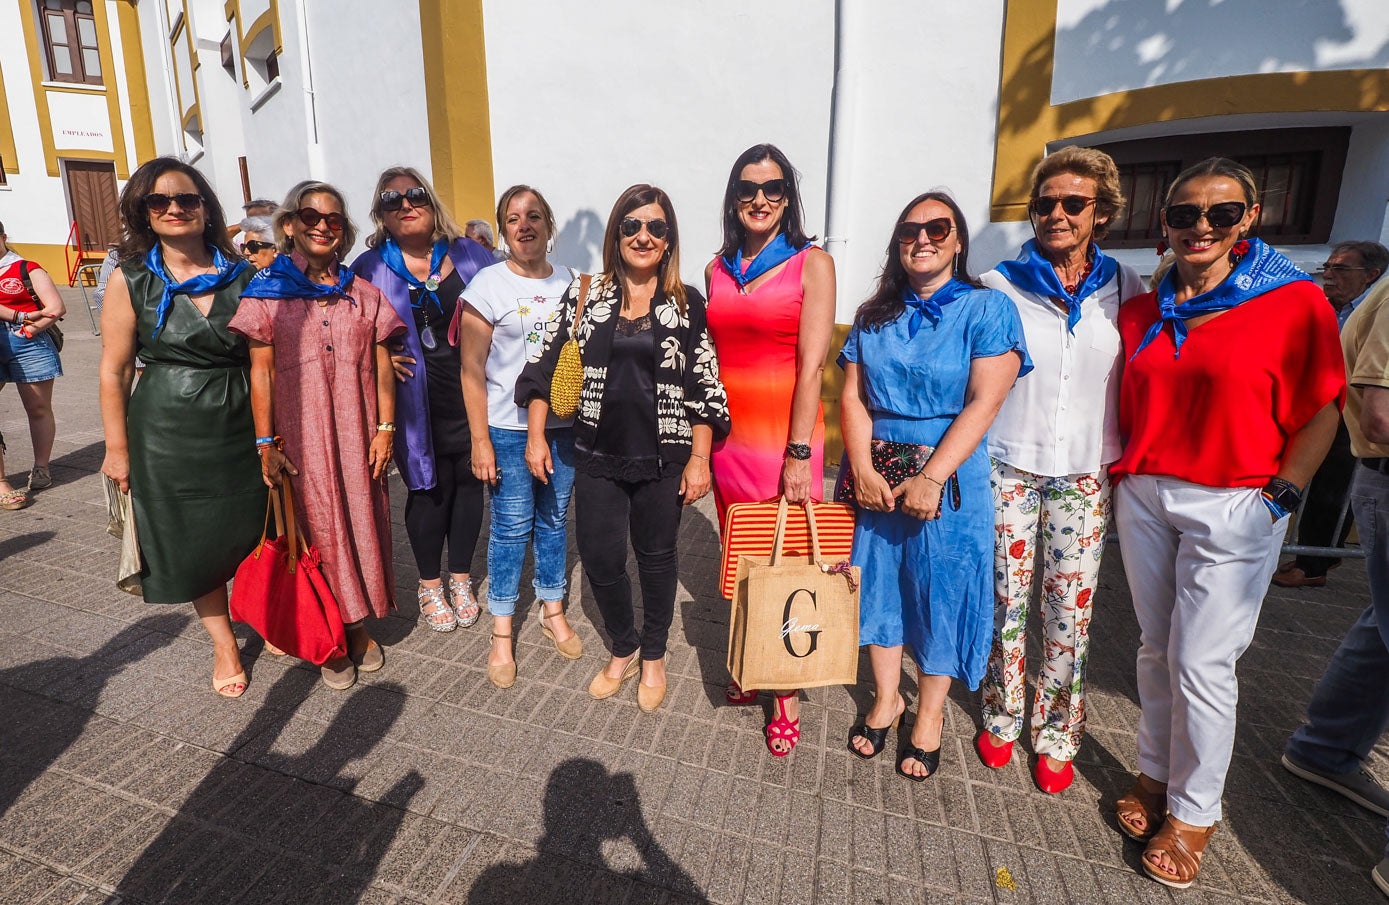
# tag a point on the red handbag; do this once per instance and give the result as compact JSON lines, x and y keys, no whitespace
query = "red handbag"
{"x":280,"y":592}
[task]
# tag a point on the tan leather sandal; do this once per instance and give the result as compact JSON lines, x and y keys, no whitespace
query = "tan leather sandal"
{"x":571,"y":648}
{"x":502,"y":675}
{"x":1138,"y":802}
{"x":1184,"y":848}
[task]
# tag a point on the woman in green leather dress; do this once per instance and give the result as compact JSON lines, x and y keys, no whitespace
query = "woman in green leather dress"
{"x":183,"y":445}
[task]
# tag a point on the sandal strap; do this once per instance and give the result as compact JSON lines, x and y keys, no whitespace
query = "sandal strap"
{"x":1182,"y":847}
{"x":432,"y":597}
{"x":1139,"y":800}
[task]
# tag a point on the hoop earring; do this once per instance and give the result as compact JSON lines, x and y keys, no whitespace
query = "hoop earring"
{"x":550,"y":245}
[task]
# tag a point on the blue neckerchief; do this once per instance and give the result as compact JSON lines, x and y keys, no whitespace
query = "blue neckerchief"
{"x":931,"y":307}
{"x":777,"y":251}
{"x":1260,"y":270}
{"x":395,"y":262}
{"x":1033,"y":273}
{"x":203,"y":282}
{"x":284,"y":280}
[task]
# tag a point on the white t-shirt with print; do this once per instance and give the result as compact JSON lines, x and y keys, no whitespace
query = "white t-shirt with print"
{"x":521,"y":311}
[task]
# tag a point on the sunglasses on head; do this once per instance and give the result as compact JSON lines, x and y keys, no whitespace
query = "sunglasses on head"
{"x":158,"y":202}
{"x":1071,"y":204}
{"x":392,"y":200}
{"x":252,"y":247}
{"x":936,"y":230}
{"x":773,"y":190}
{"x":311,"y":218}
{"x":1221,"y":216}
{"x":658,"y":229}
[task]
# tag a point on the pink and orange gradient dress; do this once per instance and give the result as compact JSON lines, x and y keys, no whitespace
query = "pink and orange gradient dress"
{"x":755,"y":335}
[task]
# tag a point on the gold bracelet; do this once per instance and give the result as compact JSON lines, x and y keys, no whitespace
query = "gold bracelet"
{"x":940,"y":484}
{"x":388,"y":426}
{"x":698,"y":456}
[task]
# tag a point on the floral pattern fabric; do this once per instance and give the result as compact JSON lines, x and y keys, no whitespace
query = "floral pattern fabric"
{"x":1066,"y":517}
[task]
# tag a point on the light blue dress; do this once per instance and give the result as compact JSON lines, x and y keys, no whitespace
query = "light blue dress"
{"x":929,"y":584}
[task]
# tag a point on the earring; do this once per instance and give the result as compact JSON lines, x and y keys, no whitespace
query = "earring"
{"x":550,"y":245}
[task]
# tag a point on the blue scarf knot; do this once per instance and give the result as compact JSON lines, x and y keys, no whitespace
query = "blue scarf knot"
{"x":227,"y":271}
{"x":778,"y":251}
{"x":931,"y":307}
{"x":284,"y":280}
{"x":395,"y":262}
{"x":1261,"y":270}
{"x":1033,"y":273}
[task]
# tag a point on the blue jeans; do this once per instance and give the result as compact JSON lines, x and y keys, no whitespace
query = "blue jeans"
{"x":521,"y":505}
{"x":1349,"y":709}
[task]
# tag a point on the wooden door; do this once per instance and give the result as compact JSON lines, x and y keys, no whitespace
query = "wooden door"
{"x":93,"y":200}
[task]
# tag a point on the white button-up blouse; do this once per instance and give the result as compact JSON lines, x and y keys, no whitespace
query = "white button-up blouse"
{"x":1063,"y":417}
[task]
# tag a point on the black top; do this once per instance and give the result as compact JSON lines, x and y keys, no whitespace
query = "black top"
{"x":625,"y":447}
{"x":448,"y":421}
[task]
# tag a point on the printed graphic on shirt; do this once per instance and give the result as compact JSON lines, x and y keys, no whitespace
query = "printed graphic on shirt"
{"x":539,"y":316}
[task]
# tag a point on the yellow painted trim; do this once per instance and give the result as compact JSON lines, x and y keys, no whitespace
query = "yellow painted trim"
{"x":49,"y":257}
{"x":268,"y":19}
{"x":31,"y":41}
{"x":133,"y":52}
{"x":831,"y":389}
{"x":7,"y":148}
{"x":193,"y":64}
{"x":1027,"y":120}
{"x":455,"y":86}
{"x":113,"y":97}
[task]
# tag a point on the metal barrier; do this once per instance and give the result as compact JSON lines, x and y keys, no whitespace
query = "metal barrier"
{"x":1328,"y":552}
{"x":79,"y":277}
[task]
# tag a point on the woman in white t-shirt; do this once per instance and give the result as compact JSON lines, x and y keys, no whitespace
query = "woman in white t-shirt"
{"x":504,"y":314}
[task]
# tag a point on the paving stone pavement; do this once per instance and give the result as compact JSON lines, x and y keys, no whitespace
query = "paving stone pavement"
{"x":123,"y":779}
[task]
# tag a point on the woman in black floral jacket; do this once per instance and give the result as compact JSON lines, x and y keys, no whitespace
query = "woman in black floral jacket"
{"x":650,"y":407}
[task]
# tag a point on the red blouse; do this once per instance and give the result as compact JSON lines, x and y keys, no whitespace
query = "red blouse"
{"x":12,"y":291}
{"x":1221,"y":414}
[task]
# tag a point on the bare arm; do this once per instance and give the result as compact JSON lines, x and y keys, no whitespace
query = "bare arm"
{"x":812,"y":345}
{"x":475,"y":341}
{"x":379,"y":453}
{"x":856,"y":425}
{"x":116,"y":373}
{"x":52,"y":303}
{"x":1374,"y":415}
{"x":1306,"y":448}
{"x":538,"y":461}
{"x":695,"y":479}
{"x":273,"y":461}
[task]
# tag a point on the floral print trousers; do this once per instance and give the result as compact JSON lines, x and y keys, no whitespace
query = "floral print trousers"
{"x":1066,"y":516}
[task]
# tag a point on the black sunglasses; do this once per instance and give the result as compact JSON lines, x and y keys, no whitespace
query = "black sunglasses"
{"x":658,"y":229}
{"x":773,"y":190}
{"x":1071,"y":204}
{"x":251,"y":247}
{"x":311,"y":218}
{"x":158,"y":202}
{"x":391,"y":200}
{"x":1221,"y":216}
{"x":936,"y":230}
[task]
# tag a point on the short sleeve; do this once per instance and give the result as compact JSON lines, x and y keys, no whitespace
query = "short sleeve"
{"x":1372,"y":359}
{"x":1312,"y":363}
{"x":850,"y":353}
{"x":998,"y":329}
{"x":253,"y":321}
{"x":478,"y":293}
{"x":388,"y":323}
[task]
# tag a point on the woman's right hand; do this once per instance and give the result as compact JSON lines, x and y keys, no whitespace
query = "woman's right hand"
{"x":116,"y":466}
{"x":485,"y":462}
{"x":273,"y":466}
{"x":873,"y":491}
{"x":538,"y":461}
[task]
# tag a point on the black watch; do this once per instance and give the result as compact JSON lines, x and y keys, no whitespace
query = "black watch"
{"x":799,"y":451}
{"x":1284,"y":493}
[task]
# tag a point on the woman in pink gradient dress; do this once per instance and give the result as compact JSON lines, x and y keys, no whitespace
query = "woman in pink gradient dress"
{"x":771,"y":314}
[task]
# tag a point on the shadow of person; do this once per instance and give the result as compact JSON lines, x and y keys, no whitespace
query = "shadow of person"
{"x":293,"y":812}
{"x":704,"y":618}
{"x":586,"y":807}
{"x":18,"y":543}
{"x":37,"y":730}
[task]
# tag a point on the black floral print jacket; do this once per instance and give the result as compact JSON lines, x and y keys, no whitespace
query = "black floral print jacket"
{"x":688,"y":389}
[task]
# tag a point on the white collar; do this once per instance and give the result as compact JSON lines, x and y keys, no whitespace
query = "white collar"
{"x":10,"y":258}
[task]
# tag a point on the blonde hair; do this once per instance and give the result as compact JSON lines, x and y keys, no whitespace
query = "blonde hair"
{"x":1087,"y":163}
{"x":505,"y":201}
{"x":290,"y":211}
{"x":445,"y":227}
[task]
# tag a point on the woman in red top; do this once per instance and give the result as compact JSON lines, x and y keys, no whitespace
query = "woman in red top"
{"x":1230,"y":400}
{"x":29,"y":357}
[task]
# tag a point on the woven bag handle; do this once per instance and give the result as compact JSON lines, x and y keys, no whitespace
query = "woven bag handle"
{"x":585,"y":281}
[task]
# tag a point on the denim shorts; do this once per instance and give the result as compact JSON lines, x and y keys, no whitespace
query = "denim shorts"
{"x":24,"y":360}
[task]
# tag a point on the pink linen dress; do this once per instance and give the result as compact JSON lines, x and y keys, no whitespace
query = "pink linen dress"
{"x":325,"y":410}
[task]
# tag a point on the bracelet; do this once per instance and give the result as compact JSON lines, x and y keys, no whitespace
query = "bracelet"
{"x":388,"y":426}
{"x":698,"y":456}
{"x":940,"y":484}
{"x":799,"y":451}
{"x":265,"y":441}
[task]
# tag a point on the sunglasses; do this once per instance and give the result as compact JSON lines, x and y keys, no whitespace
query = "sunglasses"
{"x":658,"y":229}
{"x":392,"y":200}
{"x":1071,"y":204}
{"x":1221,"y":216}
{"x":157,"y":202}
{"x":311,"y":218}
{"x":773,"y":190}
{"x":936,"y":230}
{"x":253,"y":247}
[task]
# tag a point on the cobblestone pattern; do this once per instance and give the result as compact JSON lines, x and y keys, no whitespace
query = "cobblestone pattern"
{"x":123,"y":779}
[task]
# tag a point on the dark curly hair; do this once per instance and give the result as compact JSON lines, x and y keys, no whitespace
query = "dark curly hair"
{"x":885,"y":304}
{"x":140,"y":237}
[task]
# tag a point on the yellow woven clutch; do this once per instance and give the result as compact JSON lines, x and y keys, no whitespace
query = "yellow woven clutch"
{"x":568,"y":377}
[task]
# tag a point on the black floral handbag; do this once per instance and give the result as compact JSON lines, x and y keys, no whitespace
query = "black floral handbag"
{"x":896,"y":462}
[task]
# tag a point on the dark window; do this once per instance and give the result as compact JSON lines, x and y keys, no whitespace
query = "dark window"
{"x":228,"y":56}
{"x":69,"y":40}
{"x":2,"y":170}
{"x":1298,"y":172}
{"x":272,"y":66}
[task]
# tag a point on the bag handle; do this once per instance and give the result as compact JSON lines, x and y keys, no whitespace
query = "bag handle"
{"x":585,"y":281}
{"x":778,"y":539}
{"x":292,"y":535}
{"x":780,"y":533}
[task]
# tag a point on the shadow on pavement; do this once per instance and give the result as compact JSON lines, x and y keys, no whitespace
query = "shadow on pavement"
{"x":17,"y":544}
{"x":586,"y":807}
{"x":285,"y":827}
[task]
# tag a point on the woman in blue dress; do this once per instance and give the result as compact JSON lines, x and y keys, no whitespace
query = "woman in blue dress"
{"x":929,"y":361}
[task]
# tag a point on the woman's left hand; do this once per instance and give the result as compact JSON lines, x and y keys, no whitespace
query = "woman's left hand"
{"x":694,"y":482}
{"x":921,"y":497}
{"x":795,"y":480}
{"x":401,"y":363}
{"x":379,"y":454}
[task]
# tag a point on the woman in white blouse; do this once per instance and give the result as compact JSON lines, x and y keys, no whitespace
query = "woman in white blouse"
{"x":1051,"y":446}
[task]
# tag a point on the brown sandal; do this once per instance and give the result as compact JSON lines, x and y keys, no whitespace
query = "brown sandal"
{"x":1183,"y":847}
{"x":1138,"y":801}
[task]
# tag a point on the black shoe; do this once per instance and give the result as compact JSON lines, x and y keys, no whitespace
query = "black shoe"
{"x":929,"y":759}
{"x":877,"y":738}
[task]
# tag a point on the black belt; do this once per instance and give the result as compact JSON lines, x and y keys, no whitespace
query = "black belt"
{"x":1379,"y":465}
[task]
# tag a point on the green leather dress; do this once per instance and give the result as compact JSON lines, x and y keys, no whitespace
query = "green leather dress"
{"x":194,"y":477}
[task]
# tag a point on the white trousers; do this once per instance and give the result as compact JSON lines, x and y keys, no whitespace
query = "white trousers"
{"x":1198,"y":561}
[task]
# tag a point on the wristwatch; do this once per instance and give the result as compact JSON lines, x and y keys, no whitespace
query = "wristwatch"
{"x":1284,"y":493}
{"x":799,"y":451}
